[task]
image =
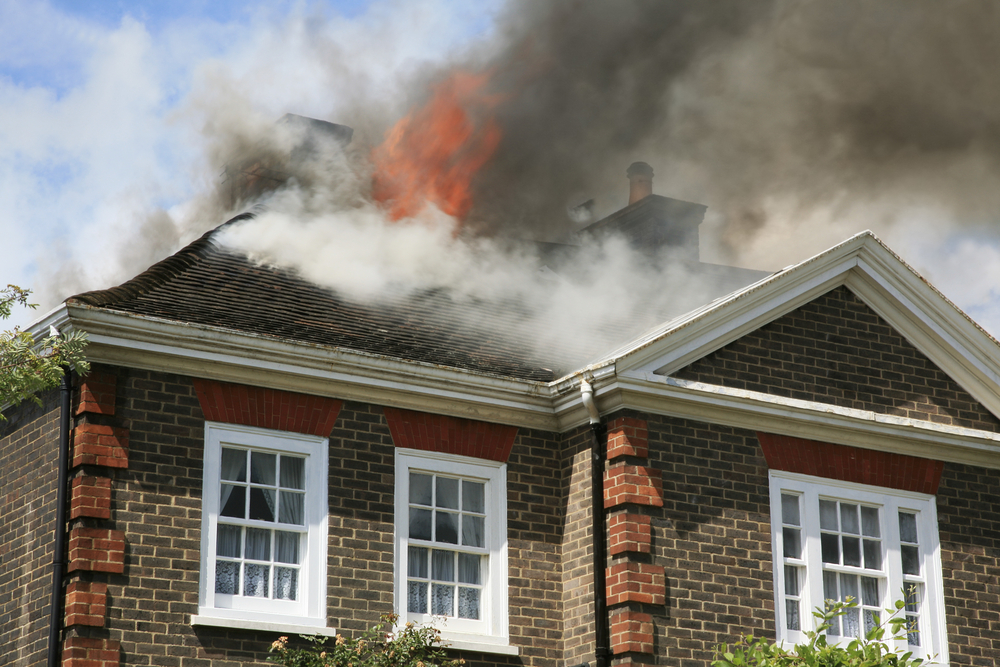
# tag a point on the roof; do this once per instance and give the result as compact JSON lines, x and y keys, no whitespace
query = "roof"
{"x":206,"y":284}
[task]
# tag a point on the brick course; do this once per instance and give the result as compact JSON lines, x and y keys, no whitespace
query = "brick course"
{"x":631,"y":632}
{"x":440,"y":433}
{"x":627,"y":436}
{"x":629,"y":533}
{"x":100,"y":445}
{"x":86,"y":603}
{"x":90,"y":497}
{"x":836,"y":350}
{"x":640,"y":485}
{"x":91,"y":652}
{"x":97,"y":392}
{"x":96,"y":550}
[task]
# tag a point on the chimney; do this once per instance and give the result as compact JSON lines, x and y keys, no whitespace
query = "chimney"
{"x":640,"y":177}
{"x":653,"y":223}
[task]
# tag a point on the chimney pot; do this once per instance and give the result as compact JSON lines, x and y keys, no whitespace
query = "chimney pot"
{"x":640,"y":176}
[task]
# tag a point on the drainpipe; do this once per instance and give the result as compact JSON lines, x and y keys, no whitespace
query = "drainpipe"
{"x":56,"y":604}
{"x":602,"y":643}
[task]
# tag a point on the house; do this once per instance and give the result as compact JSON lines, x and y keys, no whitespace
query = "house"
{"x":254,"y":455}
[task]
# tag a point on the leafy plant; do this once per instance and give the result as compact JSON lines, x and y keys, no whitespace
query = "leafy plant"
{"x":28,"y":366}
{"x":873,"y":650}
{"x":384,"y":645}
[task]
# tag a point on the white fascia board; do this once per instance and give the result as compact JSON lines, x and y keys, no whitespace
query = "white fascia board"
{"x":756,"y":411}
{"x":219,"y":354}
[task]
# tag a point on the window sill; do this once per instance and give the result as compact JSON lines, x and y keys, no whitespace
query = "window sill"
{"x":460,"y":642}
{"x":267,"y":626}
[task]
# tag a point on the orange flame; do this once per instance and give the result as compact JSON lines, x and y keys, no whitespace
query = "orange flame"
{"x":433,"y":153}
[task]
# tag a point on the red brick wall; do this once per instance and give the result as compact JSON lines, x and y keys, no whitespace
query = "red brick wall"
{"x":28,"y":457}
{"x":837,"y":350}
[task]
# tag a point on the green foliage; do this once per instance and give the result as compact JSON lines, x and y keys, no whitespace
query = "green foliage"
{"x":384,"y":645}
{"x":872,"y":651}
{"x":28,"y":366}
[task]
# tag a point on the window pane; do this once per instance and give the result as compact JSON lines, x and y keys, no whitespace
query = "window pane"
{"x":848,"y":587}
{"x":791,"y":580}
{"x":869,"y":522}
{"x":255,"y":580}
{"x":468,"y":603}
{"x":416,"y":597}
{"x":447,"y":493}
{"x":830,"y":586}
{"x":827,"y":515}
{"x":912,"y":631}
{"x":910,"y":558}
{"x":852,"y":622}
{"x":468,"y":568}
{"x":262,"y":504}
{"x":227,"y":577}
{"x":233,"y":500}
{"x":420,"y":524}
{"x":258,"y":544}
{"x":849,"y":519}
{"x":792,"y":614}
{"x":472,"y":531}
{"x":871,"y":620}
{"x":443,"y":565}
{"x":293,"y":508}
{"x":869,"y":591}
{"x":446,"y":528}
{"x":420,"y":489}
{"x":262,"y":468}
{"x":234,"y":465}
{"x":416,"y":562}
{"x":792,"y":544}
{"x":852,"y":551}
{"x":831,"y":547}
{"x":286,"y":583}
{"x":473,"y":497}
{"x":912,"y":597}
{"x":442,"y":600}
{"x":227,"y":541}
{"x":907,"y":527}
{"x":293,"y":472}
{"x":873,"y":555}
{"x":286,"y":547}
{"x":790,"y":509}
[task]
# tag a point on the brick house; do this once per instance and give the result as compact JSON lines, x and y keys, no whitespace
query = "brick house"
{"x":238,"y":471}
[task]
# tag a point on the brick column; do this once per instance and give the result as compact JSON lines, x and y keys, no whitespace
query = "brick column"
{"x":636,"y":588}
{"x":95,"y":549}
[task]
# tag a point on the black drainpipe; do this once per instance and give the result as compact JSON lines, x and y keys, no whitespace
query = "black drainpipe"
{"x":58,"y":558}
{"x":602,"y":634}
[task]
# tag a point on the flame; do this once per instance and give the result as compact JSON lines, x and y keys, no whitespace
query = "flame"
{"x":432,"y":154}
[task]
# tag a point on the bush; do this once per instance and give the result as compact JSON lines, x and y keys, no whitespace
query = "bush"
{"x":383,"y":645}
{"x":872,"y":651}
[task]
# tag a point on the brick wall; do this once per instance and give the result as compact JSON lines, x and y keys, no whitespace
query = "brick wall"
{"x":968,"y":505}
{"x":28,"y":460}
{"x":837,"y":350}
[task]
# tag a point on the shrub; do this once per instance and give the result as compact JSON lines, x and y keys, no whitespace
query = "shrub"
{"x":872,"y":651}
{"x":384,"y":645}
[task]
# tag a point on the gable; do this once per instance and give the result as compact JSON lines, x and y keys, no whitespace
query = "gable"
{"x":837,"y":350}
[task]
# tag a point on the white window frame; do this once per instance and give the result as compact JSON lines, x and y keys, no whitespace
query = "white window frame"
{"x":934,"y":645}
{"x":489,"y":634}
{"x":308,"y":613}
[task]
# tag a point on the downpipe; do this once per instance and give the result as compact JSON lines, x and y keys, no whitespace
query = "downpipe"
{"x":602,"y":634}
{"x":58,"y":557}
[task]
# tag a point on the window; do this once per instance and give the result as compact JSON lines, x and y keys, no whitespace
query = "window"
{"x":834,"y":540}
{"x":264,"y":529}
{"x":451,"y":546}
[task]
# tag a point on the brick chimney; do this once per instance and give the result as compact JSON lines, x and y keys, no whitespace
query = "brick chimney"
{"x":652,"y":223}
{"x":640,"y":181}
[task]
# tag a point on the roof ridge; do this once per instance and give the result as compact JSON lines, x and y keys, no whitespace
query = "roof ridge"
{"x":159,"y":273}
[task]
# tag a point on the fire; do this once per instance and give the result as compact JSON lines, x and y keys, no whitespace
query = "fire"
{"x":432,"y":154}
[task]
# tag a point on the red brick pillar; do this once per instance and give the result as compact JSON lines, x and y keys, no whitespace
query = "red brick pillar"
{"x":635,"y":587}
{"x":95,"y":548}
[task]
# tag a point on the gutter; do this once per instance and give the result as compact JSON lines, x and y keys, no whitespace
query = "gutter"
{"x":602,"y":634}
{"x":58,"y":557}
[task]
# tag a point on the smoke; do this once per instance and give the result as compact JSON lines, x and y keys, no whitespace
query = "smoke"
{"x":797,"y":122}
